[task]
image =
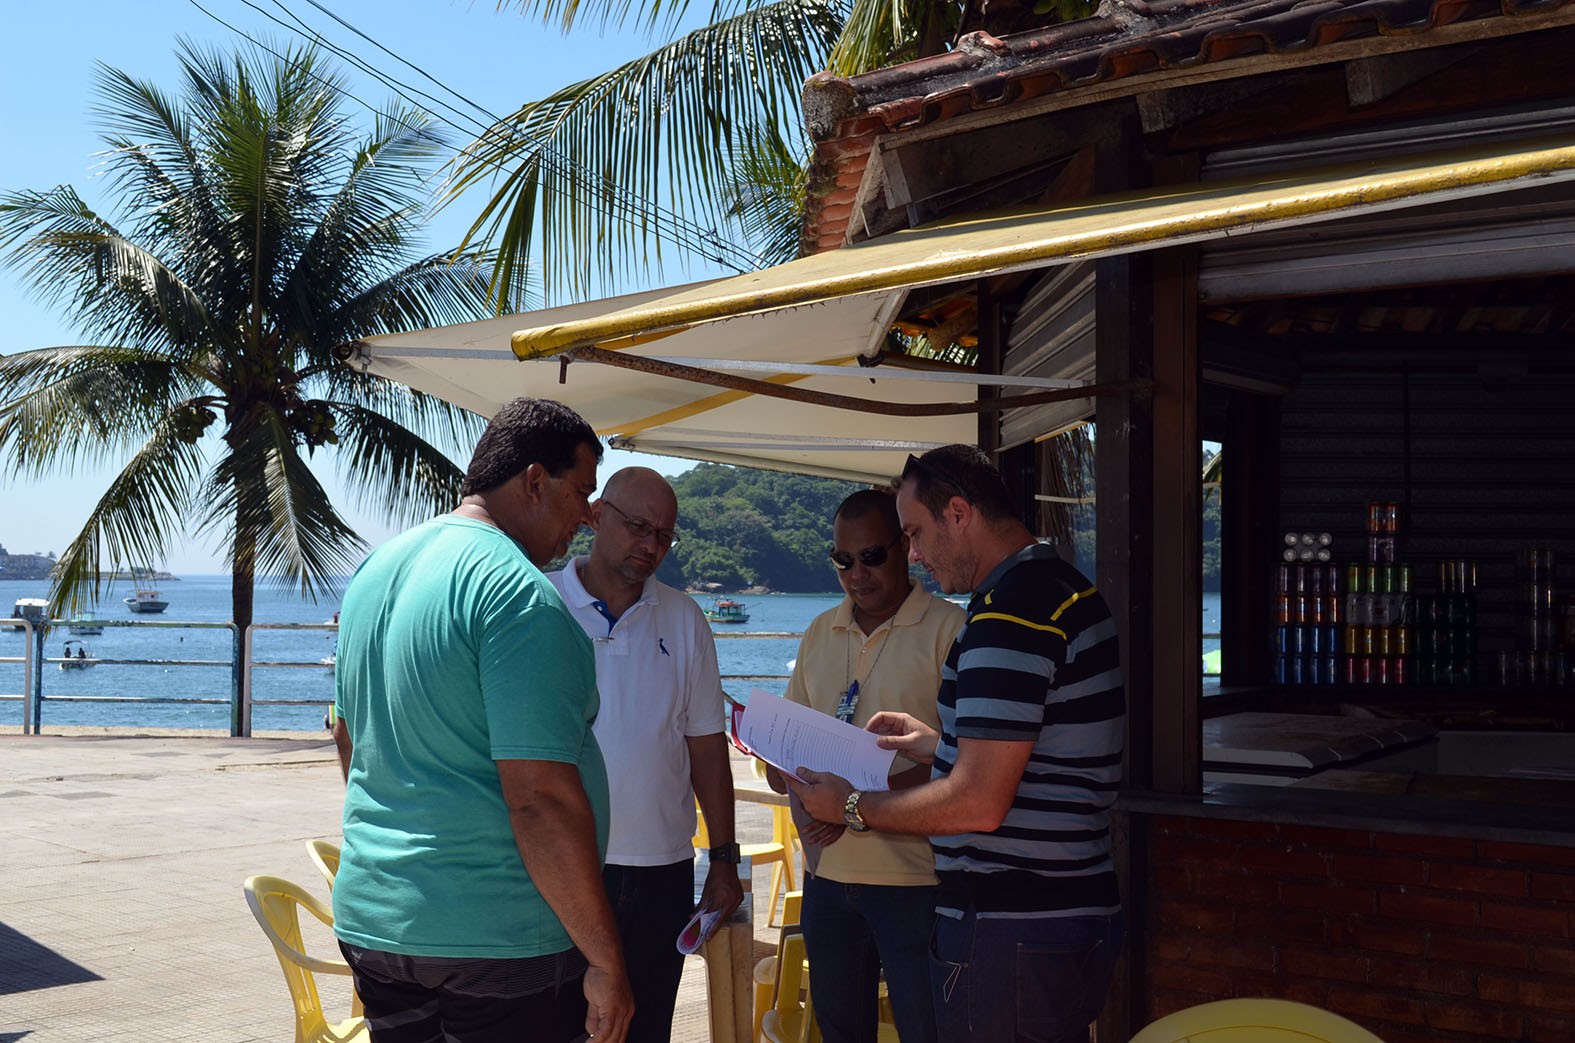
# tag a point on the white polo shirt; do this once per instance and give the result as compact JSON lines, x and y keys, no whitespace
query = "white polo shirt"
{"x":657,"y":673}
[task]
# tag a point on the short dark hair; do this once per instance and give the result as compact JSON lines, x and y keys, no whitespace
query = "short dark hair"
{"x":959,"y":470}
{"x":528,"y":431}
{"x":868,"y":501}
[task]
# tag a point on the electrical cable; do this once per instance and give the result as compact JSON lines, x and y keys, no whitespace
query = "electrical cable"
{"x":669,"y":225}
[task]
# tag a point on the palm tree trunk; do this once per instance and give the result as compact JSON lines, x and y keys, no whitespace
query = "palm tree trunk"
{"x":243,"y":578}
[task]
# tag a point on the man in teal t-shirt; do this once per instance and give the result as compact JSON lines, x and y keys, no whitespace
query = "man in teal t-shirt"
{"x":469,"y":899}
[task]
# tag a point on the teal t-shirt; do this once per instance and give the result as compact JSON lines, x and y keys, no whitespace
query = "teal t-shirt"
{"x":454,"y":652}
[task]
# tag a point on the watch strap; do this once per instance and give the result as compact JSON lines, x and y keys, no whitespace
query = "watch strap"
{"x":725,"y":853}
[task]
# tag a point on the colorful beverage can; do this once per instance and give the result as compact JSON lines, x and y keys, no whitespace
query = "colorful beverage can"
{"x":1283,"y":609}
{"x":1364,"y":670}
{"x":1298,"y":671}
{"x":1331,"y":608}
{"x":1331,"y":669}
{"x":1397,"y":671}
{"x":1384,"y":676}
{"x":1352,"y":675}
{"x":1284,"y":584}
{"x":1282,"y":672}
{"x":1314,"y":608}
{"x":1352,"y":640}
{"x":1385,"y":641}
{"x":1369,"y":642}
{"x":1375,"y":516}
{"x":1353,"y":579}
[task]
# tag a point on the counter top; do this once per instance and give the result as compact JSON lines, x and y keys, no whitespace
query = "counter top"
{"x":1303,"y":742}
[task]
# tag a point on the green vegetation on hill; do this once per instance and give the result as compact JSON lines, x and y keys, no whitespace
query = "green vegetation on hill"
{"x":739,"y":527}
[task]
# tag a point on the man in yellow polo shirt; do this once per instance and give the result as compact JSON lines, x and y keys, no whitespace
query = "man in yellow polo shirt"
{"x":869,"y":901}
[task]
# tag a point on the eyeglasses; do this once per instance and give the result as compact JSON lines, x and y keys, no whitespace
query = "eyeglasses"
{"x":641,"y":529}
{"x":916,"y":463}
{"x":872,"y":557}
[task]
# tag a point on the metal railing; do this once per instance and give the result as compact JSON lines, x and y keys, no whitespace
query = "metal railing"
{"x":242,"y":664}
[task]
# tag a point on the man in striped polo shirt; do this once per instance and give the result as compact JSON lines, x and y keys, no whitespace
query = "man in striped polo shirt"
{"x":1024,"y":769}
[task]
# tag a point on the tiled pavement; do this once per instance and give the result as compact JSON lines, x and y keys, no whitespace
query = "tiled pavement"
{"x":121,"y":861}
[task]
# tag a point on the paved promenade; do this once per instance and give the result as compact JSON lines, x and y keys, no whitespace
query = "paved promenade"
{"x":121,"y":862}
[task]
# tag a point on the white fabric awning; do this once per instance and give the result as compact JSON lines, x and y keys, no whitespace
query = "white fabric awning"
{"x":834,"y":307}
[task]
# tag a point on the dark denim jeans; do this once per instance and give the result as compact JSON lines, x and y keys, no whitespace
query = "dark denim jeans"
{"x":1038,"y":980}
{"x":852,"y":932}
{"x":652,"y":904}
{"x":440,"y":999}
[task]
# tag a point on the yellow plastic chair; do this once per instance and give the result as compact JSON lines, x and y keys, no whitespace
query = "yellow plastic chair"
{"x":325,"y":856}
{"x":1254,"y":1021}
{"x":790,"y":1018}
{"x":276,"y":904}
{"x":774,"y":851}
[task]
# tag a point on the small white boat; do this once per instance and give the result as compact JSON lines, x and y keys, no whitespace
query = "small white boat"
{"x":76,"y":656}
{"x":89,"y":627}
{"x":34,"y":610}
{"x":145,"y":600}
{"x":330,"y":660}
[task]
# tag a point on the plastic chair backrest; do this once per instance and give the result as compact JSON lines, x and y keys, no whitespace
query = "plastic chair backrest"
{"x":1254,"y":1021}
{"x":774,"y":851}
{"x":325,"y":856}
{"x":276,"y":903}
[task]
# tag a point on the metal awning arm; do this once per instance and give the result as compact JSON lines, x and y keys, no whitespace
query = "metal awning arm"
{"x":773,"y":389}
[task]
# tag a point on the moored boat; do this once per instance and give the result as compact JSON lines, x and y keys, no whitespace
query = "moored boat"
{"x":34,"y":610}
{"x":76,"y":656}
{"x":145,"y":600}
{"x":724,"y":610}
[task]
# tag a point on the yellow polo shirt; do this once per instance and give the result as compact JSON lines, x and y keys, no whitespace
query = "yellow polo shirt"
{"x":898,"y":667}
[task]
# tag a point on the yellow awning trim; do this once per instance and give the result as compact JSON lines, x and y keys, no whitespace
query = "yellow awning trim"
{"x":993,"y":244}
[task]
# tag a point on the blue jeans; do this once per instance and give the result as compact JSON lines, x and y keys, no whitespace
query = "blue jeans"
{"x":652,"y":904}
{"x":851,"y":932}
{"x":1038,"y":980}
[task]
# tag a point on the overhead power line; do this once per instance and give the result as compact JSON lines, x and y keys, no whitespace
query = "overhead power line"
{"x":611,"y":199}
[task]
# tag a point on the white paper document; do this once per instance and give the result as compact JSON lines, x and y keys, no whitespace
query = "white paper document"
{"x":789,"y":736}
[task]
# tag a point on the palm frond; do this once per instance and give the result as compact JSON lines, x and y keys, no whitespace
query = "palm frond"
{"x":261,"y":486}
{"x":79,"y":404}
{"x":373,"y":448}
{"x":595,"y":160}
{"x":135,"y":521}
{"x":68,"y":255}
{"x":769,"y":190}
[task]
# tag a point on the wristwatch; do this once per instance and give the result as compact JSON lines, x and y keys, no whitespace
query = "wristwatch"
{"x":850,"y":813}
{"x":725,"y":853}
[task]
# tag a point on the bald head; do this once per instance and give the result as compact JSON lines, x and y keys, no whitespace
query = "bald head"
{"x":634,"y":522}
{"x":646,"y":485}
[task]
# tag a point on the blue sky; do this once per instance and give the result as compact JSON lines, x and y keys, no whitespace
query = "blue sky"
{"x":496,"y":58}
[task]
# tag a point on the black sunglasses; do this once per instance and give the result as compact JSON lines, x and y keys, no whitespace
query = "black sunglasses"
{"x":872,"y":557}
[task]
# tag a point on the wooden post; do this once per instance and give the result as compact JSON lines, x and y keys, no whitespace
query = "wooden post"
{"x":730,"y":969}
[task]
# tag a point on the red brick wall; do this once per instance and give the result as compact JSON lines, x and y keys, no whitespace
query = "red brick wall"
{"x":1418,"y":939}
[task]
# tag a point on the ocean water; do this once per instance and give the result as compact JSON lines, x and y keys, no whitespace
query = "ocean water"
{"x":755,"y":662}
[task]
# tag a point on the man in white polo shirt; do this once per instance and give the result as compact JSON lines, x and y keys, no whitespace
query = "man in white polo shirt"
{"x":661,"y":730}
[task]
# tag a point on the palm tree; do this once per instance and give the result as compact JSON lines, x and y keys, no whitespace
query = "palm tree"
{"x":255,"y":234}
{"x":596,"y":175}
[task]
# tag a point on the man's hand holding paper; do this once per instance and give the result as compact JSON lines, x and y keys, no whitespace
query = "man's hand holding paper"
{"x":789,"y":737}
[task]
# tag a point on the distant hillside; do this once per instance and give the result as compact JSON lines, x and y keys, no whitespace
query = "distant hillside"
{"x":740,"y":528}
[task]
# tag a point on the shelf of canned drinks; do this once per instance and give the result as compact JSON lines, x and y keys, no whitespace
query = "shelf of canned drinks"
{"x":1362,"y":624}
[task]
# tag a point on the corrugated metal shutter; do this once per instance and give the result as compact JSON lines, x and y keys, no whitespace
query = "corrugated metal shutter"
{"x":1052,"y":336}
{"x":1523,"y":233}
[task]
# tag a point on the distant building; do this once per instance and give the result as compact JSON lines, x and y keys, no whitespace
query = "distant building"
{"x":25,"y":566}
